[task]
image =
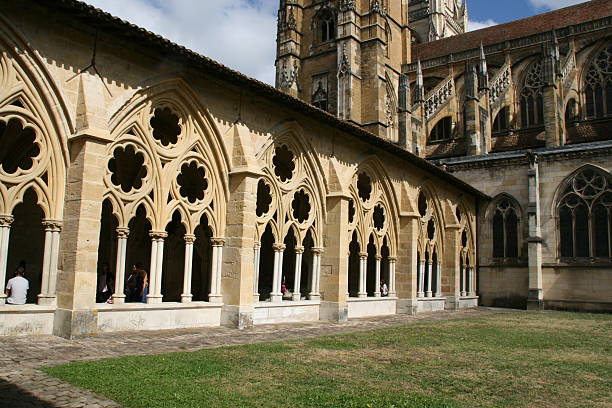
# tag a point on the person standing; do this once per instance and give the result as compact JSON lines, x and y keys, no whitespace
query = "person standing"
{"x":17,"y":288}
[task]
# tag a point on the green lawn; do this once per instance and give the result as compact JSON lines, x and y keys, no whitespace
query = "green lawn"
{"x":508,"y":360}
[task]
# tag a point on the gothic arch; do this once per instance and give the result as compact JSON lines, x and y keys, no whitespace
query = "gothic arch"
{"x":183,"y":159}
{"x":380,"y":204}
{"x":596,"y":81}
{"x":501,"y":205}
{"x":435,"y":213}
{"x":583,"y":214}
{"x":31,"y":102}
{"x":296,"y":184}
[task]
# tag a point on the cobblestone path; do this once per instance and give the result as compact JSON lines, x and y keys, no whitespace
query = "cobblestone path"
{"x":23,"y":386}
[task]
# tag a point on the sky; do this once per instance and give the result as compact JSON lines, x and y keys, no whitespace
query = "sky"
{"x":241,"y":34}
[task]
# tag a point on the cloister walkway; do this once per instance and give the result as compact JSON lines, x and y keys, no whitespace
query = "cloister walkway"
{"x":23,"y":386}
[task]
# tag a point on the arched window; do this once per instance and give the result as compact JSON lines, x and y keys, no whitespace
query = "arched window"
{"x":500,"y":124}
{"x":442,"y":130}
{"x":598,"y":85}
{"x":326,"y":26}
{"x":584,"y":212}
{"x":505,"y":229}
{"x":532,"y":103}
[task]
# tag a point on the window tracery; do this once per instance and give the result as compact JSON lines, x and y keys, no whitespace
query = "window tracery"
{"x":505,"y":227}
{"x":325,"y":25}
{"x":584,"y":212}
{"x":598,"y":85}
{"x":532,"y":102}
{"x":442,"y":130}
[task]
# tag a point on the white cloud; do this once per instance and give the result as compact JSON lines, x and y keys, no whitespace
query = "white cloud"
{"x":553,"y":4}
{"x":477,"y":25}
{"x":238,"y":33}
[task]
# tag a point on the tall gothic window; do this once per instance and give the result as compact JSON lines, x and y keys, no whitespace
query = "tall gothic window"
{"x":326,"y":26}
{"x":505,"y":229}
{"x":584,"y":210}
{"x":598,"y":85}
{"x":442,"y":130}
{"x":532,"y":102}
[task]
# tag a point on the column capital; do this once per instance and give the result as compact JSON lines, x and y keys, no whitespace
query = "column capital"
{"x":123,"y":233}
{"x":392,"y":259}
{"x":430,"y":262}
{"x":156,"y":235}
{"x":189,"y":238}
{"x":378,"y":257}
{"x":299,"y":249}
{"x":278,"y":247}
{"x":6,"y":220}
{"x":363,"y":255}
{"x":317,"y":250}
{"x":52,"y":225}
{"x":257,"y":245}
{"x":218,"y":242}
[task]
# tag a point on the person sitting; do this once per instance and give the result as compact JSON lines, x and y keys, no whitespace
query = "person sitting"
{"x":17,"y":288}
{"x":384,"y":290}
{"x":105,"y":284}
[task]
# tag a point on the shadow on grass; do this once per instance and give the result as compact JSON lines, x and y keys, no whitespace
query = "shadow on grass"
{"x":15,"y":397}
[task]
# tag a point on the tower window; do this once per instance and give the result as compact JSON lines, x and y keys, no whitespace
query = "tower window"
{"x":326,"y":26}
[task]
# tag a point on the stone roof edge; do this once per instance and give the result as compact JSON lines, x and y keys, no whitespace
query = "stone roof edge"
{"x":81,"y":10}
{"x":545,"y":153}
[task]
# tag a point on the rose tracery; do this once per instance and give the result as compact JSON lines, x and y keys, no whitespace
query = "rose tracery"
{"x":18,"y":146}
{"x":192,"y":181}
{"x":127,"y":168}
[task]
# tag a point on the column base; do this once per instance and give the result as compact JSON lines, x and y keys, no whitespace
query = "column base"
{"x":3,"y":299}
{"x":186,"y":298}
{"x":255,"y":297}
{"x":377,"y":294}
{"x":240,"y":317}
{"x":296,"y":297}
{"x":215,"y":298}
{"x":153,"y":299}
{"x":451,"y":303}
{"x":406,"y":306}
{"x":276,"y":297}
{"x":118,"y":299}
{"x":333,"y":311}
{"x":47,"y":300}
{"x":314,"y":296}
{"x":362,"y":295}
{"x":392,"y":294}
{"x":428,"y":294}
{"x":535,"y":299}
{"x":75,"y":323}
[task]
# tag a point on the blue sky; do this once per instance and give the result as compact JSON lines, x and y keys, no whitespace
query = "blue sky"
{"x":242,"y":33}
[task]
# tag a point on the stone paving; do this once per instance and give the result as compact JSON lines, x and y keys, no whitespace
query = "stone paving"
{"x":22,"y":385}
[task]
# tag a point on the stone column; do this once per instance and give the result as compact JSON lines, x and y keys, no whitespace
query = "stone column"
{"x":463,"y":280}
{"x":405,"y":271}
{"x":256,"y":255}
{"x":215,"y":295}
{"x":377,"y":282}
{"x":438,"y":280}
{"x":363,"y":271}
{"x":535,"y":297}
{"x":392,"y":263}
{"x":157,"y":260}
{"x":187,"y":296}
{"x":335,"y":260}
{"x":316,"y":274}
{"x":5,"y":230}
{"x":428,"y":291}
{"x":299,"y":252}
{"x":276,"y":294}
{"x":50,"y":258}
{"x":470,"y":287}
{"x":421,"y":292}
{"x":122,"y":239}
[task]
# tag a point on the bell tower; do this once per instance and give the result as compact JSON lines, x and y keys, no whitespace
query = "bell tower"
{"x":345,"y":57}
{"x":431,"y":20}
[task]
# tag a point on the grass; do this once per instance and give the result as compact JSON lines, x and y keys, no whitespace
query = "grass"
{"x":510,"y":360}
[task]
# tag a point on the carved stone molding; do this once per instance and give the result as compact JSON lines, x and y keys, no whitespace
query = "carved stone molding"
{"x":123,"y":233}
{"x":6,"y":220}
{"x":219,"y":242}
{"x":279,"y":247}
{"x":189,"y":238}
{"x":158,"y":235}
{"x":52,"y":225}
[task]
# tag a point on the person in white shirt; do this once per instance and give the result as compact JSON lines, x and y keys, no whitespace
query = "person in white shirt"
{"x":17,"y":288}
{"x":384,"y":290}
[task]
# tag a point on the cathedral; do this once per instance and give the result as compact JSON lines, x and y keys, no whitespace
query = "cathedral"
{"x":400,"y":165}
